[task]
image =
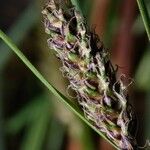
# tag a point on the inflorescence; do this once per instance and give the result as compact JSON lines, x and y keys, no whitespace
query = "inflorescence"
{"x":87,"y":66}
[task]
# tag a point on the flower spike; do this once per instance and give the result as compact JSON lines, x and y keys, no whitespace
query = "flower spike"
{"x":87,"y":66}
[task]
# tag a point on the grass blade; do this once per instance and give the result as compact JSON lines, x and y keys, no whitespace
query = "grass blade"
{"x":36,"y":133}
{"x":143,"y":82}
{"x":56,"y":131}
{"x":51,"y":88}
{"x":76,"y":3}
{"x":145,"y":16}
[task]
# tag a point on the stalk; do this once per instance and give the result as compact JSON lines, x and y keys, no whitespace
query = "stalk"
{"x":87,"y":66}
{"x":49,"y":86}
{"x":145,"y":16}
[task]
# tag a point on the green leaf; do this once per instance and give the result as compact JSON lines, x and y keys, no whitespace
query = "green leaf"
{"x":138,"y":27}
{"x":56,"y":135}
{"x":142,"y":75}
{"x":28,"y":114}
{"x":87,"y":139}
{"x":61,"y":97}
{"x":76,"y":3}
{"x":36,"y":132}
{"x":145,"y":16}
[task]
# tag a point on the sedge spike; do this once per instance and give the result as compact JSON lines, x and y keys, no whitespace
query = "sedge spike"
{"x":87,"y":66}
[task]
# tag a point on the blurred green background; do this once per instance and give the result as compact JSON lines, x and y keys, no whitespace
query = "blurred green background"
{"x":33,"y":119}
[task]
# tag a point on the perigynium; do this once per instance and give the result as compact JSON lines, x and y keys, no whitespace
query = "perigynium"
{"x":87,"y":66}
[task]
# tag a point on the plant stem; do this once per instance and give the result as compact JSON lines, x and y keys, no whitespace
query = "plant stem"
{"x":76,"y":3}
{"x":145,"y":16}
{"x":50,"y":87}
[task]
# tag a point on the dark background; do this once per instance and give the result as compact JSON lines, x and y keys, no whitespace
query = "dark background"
{"x":33,"y":119}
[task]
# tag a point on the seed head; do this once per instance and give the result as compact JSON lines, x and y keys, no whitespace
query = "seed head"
{"x":87,"y":66}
